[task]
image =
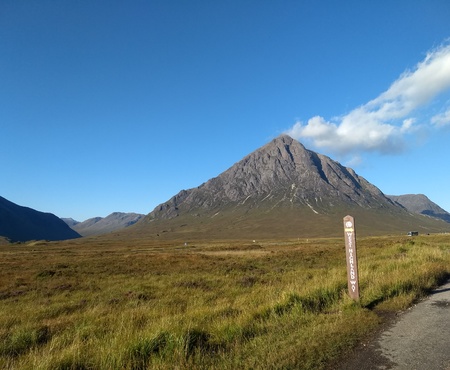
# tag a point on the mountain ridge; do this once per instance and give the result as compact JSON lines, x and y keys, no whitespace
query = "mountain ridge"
{"x":102,"y":225}
{"x":19,"y":224}
{"x":281,"y":189}
{"x":282,"y":164}
{"x":421,"y":204}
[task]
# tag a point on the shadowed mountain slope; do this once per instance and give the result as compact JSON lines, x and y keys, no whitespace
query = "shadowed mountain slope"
{"x":102,"y":225}
{"x":280,"y":190}
{"x":421,"y":204}
{"x":19,"y":223}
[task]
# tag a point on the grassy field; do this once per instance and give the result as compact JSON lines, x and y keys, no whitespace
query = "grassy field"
{"x":136,"y":304}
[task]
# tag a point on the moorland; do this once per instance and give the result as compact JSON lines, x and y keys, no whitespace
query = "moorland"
{"x":110,"y":303}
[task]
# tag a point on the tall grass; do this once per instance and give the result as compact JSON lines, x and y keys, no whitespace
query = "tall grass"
{"x":100,"y":304}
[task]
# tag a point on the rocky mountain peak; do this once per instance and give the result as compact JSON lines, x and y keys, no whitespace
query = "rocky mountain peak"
{"x":281,"y":172}
{"x":421,"y":204}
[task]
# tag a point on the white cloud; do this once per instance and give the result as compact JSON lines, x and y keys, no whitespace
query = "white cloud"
{"x":442,"y":119}
{"x":407,"y":124}
{"x":354,"y":161}
{"x":382,"y":124}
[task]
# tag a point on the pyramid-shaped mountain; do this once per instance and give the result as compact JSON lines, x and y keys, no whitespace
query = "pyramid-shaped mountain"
{"x":282,"y":190}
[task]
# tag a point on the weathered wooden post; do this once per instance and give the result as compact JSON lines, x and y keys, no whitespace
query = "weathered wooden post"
{"x":352,"y":261}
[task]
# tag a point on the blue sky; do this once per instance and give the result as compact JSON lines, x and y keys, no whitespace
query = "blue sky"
{"x":117,"y":106}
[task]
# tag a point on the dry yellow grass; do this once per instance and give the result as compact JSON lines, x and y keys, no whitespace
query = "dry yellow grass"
{"x":104,"y":303}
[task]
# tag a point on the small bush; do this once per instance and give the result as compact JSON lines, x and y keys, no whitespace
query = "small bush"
{"x":23,"y":340}
{"x":196,"y":340}
{"x":139,"y":353}
{"x":46,"y":273}
{"x":315,"y":302}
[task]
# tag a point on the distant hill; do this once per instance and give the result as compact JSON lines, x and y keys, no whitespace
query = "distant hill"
{"x":281,"y":190}
{"x":102,"y":225}
{"x":419,"y":203}
{"x":18,"y":223}
{"x":70,"y":221}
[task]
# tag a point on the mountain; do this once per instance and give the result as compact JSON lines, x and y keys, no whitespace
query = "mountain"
{"x":70,"y":222}
{"x":19,"y":223}
{"x":419,"y":203}
{"x":281,"y":190}
{"x":102,"y":225}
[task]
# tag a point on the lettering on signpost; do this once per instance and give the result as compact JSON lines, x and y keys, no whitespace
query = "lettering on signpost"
{"x":352,"y":261}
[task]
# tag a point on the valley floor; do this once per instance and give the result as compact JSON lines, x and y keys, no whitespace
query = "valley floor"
{"x":109,"y":303}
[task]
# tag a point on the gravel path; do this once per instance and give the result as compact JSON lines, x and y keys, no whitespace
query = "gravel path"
{"x":418,"y":339}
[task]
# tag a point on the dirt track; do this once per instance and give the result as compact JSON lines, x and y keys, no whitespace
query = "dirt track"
{"x":418,"y":339}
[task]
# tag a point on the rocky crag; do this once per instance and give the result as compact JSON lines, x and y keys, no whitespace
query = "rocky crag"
{"x":284,"y":189}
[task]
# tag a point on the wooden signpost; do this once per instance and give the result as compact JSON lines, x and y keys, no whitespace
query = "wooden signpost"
{"x":352,"y":261}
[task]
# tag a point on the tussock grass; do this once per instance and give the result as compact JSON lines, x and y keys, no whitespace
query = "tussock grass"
{"x":107,"y":304}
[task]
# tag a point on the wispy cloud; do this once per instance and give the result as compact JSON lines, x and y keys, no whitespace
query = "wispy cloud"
{"x":442,"y":119}
{"x":382,"y":124}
